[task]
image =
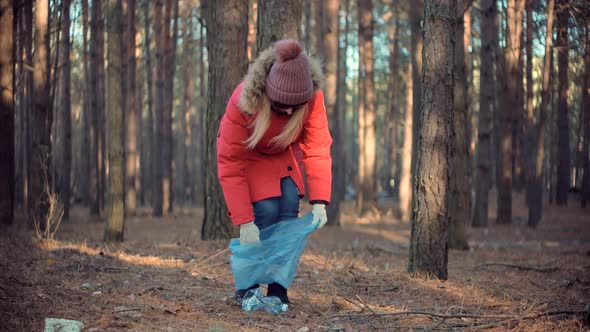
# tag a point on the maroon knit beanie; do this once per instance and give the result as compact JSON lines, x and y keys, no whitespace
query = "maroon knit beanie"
{"x":289,"y":79}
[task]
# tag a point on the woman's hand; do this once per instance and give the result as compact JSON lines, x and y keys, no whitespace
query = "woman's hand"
{"x":249,"y":233}
{"x":319,"y":215}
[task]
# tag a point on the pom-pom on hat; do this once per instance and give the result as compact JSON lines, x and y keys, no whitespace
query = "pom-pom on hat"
{"x":289,"y":79}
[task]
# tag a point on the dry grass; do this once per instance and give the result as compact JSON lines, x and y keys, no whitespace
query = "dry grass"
{"x":351,"y":279}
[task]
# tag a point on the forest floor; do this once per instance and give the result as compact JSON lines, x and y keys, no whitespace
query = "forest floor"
{"x":164,"y":278}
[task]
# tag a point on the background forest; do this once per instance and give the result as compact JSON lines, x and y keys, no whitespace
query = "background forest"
{"x":449,"y":119}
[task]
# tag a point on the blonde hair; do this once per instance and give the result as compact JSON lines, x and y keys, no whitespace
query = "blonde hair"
{"x":262,"y":122}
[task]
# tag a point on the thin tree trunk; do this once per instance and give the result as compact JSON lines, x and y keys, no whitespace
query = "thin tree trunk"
{"x":405,"y":183}
{"x":330,"y":41}
{"x":85,"y":149}
{"x":459,"y":179}
{"x":114,"y":231}
{"x":102,"y":128}
{"x":367,"y":114}
{"x":227,"y":21}
{"x":284,"y":18}
{"x":392,"y":124}
{"x":586,"y":109}
{"x":94,"y":110}
{"x":202,"y":164}
{"x":252,"y":18}
{"x":7,"y":91}
{"x":157,"y":154}
{"x":41,"y":119}
{"x":483,"y":178}
{"x":148,"y":171}
{"x":188,"y":109}
{"x":416,"y":11}
{"x":509,"y":102}
{"x":430,"y":219}
{"x":307,"y":22}
{"x":131,"y":113}
{"x":65,"y":110}
{"x":529,"y":124}
{"x":563,"y":155}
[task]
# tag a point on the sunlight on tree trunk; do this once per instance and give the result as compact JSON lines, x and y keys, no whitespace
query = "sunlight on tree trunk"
{"x":114,"y":230}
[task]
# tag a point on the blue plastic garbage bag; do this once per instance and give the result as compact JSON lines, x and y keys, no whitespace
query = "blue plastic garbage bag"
{"x":275,"y":258}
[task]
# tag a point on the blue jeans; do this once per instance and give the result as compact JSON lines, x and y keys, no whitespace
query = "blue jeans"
{"x":269,"y":211}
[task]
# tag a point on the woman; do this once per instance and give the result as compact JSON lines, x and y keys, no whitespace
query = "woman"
{"x":274,"y":120}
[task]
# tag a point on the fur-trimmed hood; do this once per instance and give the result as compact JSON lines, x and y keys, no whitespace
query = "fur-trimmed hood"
{"x":253,"y":96}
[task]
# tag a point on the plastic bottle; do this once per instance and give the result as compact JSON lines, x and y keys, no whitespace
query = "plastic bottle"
{"x":254,"y":300}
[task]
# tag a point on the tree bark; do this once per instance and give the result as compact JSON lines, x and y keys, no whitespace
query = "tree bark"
{"x":65,"y":110}
{"x":252,"y":19}
{"x":188,"y":109}
{"x":157,"y":154}
{"x":483,"y":178}
{"x":330,"y":41}
{"x":392,"y":125}
{"x":586,"y":109}
{"x":277,"y":19}
{"x":169,"y":69}
{"x":7,"y":86}
{"x":367,"y":112}
{"x":460,"y":205}
{"x":509,"y":100}
{"x":563,"y":140}
{"x":430,"y":219}
{"x":114,"y":231}
{"x":228,"y":22}
{"x":41,"y":119}
{"x":131,"y":155}
{"x":94,"y":109}
{"x":85,"y":149}
{"x":416,"y":11}
{"x":148,"y":171}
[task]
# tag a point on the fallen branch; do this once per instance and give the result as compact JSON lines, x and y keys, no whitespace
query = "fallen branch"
{"x":462,"y":316}
{"x":520,"y":267}
{"x":200,"y":264}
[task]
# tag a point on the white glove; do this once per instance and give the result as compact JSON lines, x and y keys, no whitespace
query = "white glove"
{"x":249,"y":233}
{"x":319,"y":215}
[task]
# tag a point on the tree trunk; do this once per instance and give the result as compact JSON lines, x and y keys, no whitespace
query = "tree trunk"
{"x":169,"y":69}
{"x":367,"y":112}
{"x":188,"y":109}
{"x":84,"y":180}
{"x":41,"y":119}
{"x":157,"y":154}
{"x":330,"y":41}
{"x":416,"y":11}
{"x":498,"y":86}
{"x":430,"y":219}
{"x":509,"y":102}
{"x":483,"y":178}
{"x":340,"y":136}
{"x":529,"y":123}
{"x":65,"y":110}
{"x":459,"y":180}
{"x":586,"y":109}
{"x":392,"y":125}
{"x":277,"y":19}
{"x":6,"y":113}
{"x":307,"y":22}
{"x":228,"y":22}
{"x":405,"y":182}
{"x":94,"y":109}
{"x":148,"y":171}
{"x":131,"y":113}
{"x":252,"y":19}
{"x":114,"y":231}
{"x":563,"y":155}
{"x":201,"y":132}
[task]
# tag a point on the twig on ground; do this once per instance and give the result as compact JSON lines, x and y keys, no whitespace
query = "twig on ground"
{"x":366,"y":306}
{"x":520,"y":267}
{"x":465,"y":316}
{"x":200,"y":264}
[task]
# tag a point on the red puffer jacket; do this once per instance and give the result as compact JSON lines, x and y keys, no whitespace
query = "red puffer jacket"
{"x":251,"y":175}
